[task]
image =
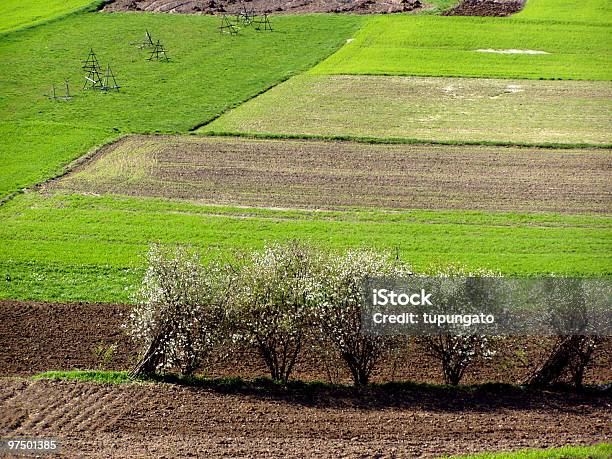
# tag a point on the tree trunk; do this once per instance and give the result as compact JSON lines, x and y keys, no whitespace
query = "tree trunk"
{"x":567,"y":354}
{"x":148,"y":363}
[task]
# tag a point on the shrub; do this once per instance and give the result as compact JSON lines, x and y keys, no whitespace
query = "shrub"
{"x":272,"y":303}
{"x":104,"y":354}
{"x":339,"y":303}
{"x":179,"y":311}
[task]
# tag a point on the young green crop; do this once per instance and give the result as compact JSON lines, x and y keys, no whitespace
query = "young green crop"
{"x":576,"y":11}
{"x":71,"y":247}
{"x":449,"y":46}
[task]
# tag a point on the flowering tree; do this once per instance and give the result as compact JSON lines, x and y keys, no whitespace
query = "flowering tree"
{"x":339,"y":308}
{"x":577,"y":310}
{"x":272,"y":303}
{"x":457,"y":288}
{"x":178,"y":312}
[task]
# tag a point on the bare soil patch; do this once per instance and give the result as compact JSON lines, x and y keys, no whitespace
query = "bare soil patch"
{"x":37,"y":337}
{"x":486,"y":8}
{"x":266,"y":6}
{"x":332,"y":175}
{"x":147,"y":420}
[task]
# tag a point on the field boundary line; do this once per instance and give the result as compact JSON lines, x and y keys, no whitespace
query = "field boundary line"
{"x":314,"y":71}
{"x":404,"y":140}
{"x":242,"y":102}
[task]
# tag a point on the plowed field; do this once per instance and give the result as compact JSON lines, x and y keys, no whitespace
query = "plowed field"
{"x":329,"y":175}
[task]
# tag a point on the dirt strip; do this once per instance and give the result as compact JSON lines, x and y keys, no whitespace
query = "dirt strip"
{"x":146,"y":420}
{"x":36,"y":337}
{"x":486,"y":8}
{"x":266,"y":6}
{"x":332,"y":175}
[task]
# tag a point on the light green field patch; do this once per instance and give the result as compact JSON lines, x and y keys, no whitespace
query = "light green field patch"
{"x":447,"y":46}
{"x":440,"y":109}
{"x":75,"y":247}
{"x":577,"y":11}
{"x":132,"y":166}
{"x":15,"y":14}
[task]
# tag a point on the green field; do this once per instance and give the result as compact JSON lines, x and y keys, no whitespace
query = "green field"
{"x":30,"y":155}
{"x":16,"y":14}
{"x":208,"y":74}
{"x":448,"y":46}
{"x":576,"y":11}
{"x":429,"y":109}
{"x":72,"y":247}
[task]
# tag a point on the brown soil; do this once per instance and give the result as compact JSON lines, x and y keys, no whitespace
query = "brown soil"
{"x":36,"y":337}
{"x":266,"y":6}
{"x":160,"y":420}
{"x":331,"y":175}
{"x":486,"y":8}
{"x":147,"y":420}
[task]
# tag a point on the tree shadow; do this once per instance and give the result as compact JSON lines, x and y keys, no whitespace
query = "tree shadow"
{"x":405,"y":395}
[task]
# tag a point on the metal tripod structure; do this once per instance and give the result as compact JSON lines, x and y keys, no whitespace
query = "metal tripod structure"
{"x":54,"y":95}
{"x":109,"y":83}
{"x":93,"y":79}
{"x":158,"y":53}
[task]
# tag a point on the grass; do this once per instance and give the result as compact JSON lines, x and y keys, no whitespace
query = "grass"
{"x":91,"y":248}
{"x":224,"y":384}
{"x":17,"y":14}
{"x":238,"y":384}
{"x":69,"y":247}
{"x":571,"y":11}
{"x":437,"y":6}
{"x":113,"y":377}
{"x":447,"y":46}
{"x":30,"y":155}
{"x":371,"y":140}
{"x":601,"y":451}
{"x":426,"y":109}
{"x":208,"y":74}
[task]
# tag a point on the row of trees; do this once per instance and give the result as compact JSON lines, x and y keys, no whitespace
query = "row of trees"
{"x":284,"y":296}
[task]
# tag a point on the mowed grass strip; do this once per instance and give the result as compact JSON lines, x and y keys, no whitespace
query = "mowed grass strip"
{"x":600,"y":451}
{"x":328,"y":175}
{"x":449,"y":46}
{"x":208,"y":73}
{"x":16,"y":14}
{"x":91,"y":248}
{"x":429,"y":109}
